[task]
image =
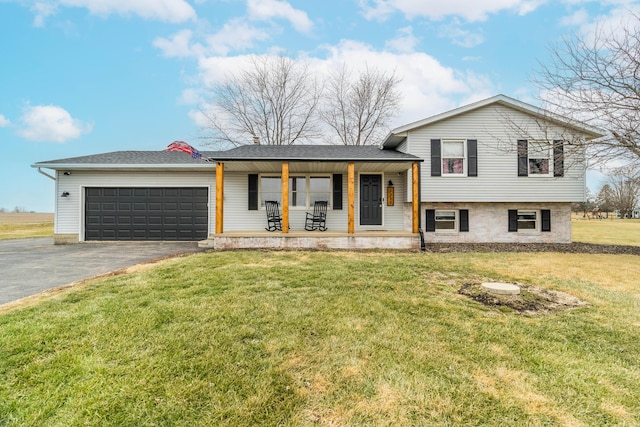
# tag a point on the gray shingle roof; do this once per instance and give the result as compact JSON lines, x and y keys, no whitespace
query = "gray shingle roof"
{"x":132,"y":158}
{"x":322,"y":153}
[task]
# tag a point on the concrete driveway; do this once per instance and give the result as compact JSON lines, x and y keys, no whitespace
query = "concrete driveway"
{"x":31,"y":266}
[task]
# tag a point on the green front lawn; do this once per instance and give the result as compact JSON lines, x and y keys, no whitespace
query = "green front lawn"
{"x":327,"y":338}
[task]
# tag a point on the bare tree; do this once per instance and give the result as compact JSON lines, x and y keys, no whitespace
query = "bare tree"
{"x":359,"y":109}
{"x":624,"y":190}
{"x":587,"y":205}
{"x":594,"y":78}
{"x":604,"y":199}
{"x":273,"y":102}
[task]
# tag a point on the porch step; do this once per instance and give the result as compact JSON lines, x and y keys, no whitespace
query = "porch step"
{"x":315,"y":241}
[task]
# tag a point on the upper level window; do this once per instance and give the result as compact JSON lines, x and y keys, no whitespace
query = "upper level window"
{"x":452,"y":157}
{"x":539,"y":158}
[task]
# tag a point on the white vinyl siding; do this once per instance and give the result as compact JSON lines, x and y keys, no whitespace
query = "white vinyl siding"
{"x":497,"y":179}
{"x":69,"y":215}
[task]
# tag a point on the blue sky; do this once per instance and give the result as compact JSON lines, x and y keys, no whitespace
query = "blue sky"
{"x":82,"y":77}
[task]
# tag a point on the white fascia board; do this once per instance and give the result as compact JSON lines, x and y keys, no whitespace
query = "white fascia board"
{"x":592,"y":131}
{"x":103,"y":166}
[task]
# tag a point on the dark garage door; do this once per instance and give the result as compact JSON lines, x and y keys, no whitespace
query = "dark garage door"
{"x":146,"y":213}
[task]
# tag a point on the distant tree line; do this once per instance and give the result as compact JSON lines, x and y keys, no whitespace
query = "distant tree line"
{"x":17,"y":209}
{"x":621,"y":194}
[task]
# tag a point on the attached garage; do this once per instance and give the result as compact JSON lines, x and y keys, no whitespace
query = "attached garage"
{"x":148,"y":213}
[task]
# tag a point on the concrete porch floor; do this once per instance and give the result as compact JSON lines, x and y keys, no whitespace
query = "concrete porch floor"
{"x":312,"y":240}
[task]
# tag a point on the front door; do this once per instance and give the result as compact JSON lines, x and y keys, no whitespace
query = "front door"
{"x":370,"y":200}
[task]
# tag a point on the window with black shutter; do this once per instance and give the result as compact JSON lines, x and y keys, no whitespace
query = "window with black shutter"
{"x":513,"y":220}
{"x":253,"y":192}
{"x":435,"y":158}
{"x":523,"y":162}
{"x":472,"y":157}
{"x":558,"y":158}
{"x":431,"y":220}
{"x":546,"y":219}
{"x":464,"y":220}
{"x":337,"y":191}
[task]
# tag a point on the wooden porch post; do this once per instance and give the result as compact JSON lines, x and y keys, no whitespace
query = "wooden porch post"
{"x":415,"y":200}
{"x":285,"y":197}
{"x":219,"y":197}
{"x":351,"y":197}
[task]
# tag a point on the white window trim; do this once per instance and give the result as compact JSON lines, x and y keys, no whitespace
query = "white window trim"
{"x":549,"y":159}
{"x":456,"y":221}
{"x":538,"y":227}
{"x":307,"y":188}
{"x":464,"y":159}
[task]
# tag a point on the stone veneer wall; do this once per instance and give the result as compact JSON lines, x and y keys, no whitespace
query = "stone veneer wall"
{"x":489,"y":222}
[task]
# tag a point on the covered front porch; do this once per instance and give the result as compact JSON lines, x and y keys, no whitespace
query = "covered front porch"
{"x":356,"y":183}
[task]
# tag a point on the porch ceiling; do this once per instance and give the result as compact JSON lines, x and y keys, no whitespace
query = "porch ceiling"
{"x":315,"y":167}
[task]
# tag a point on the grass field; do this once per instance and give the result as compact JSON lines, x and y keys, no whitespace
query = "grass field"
{"x":607,"y":231}
{"x":327,"y":338}
{"x":22,"y":225}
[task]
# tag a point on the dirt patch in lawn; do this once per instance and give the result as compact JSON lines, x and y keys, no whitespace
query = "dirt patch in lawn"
{"x":531,"y":301}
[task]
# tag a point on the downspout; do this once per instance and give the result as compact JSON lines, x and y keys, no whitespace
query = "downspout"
{"x":423,"y":247}
{"x":46,"y":174}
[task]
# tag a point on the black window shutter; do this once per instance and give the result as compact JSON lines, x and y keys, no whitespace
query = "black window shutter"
{"x":431,"y":220}
{"x":337,"y":191}
{"x":523,"y":161}
{"x":436,"y":162}
{"x":558,"y":158}
{"x":513,"y":220}
{"x":253,"y":192}
{"x":472,"y":157}
{"x":546,"y":219}
{"x":464,"y":219}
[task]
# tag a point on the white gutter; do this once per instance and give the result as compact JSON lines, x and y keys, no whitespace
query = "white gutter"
{"x":89,"y":166}
{"x":46,"y":174}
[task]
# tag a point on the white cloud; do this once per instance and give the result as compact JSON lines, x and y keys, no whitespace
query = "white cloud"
{"x":160,"y":10}
{"x":460,"y":36}
{"x":578,"y":18}
{"x":470,"y":10}
{"x":4,"y":122}
{"x":235,"y":35}
{"x":262,"y":10}
{"x":50,"y":123}
{"x":614,"y":22}
{"x":178,"y":45}
{"x":426,"y":85}
{"x":404,"y":42}
{"x":42,"y":11}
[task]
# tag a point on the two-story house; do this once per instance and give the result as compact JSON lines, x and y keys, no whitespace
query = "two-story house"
{"x":498,"y":170}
